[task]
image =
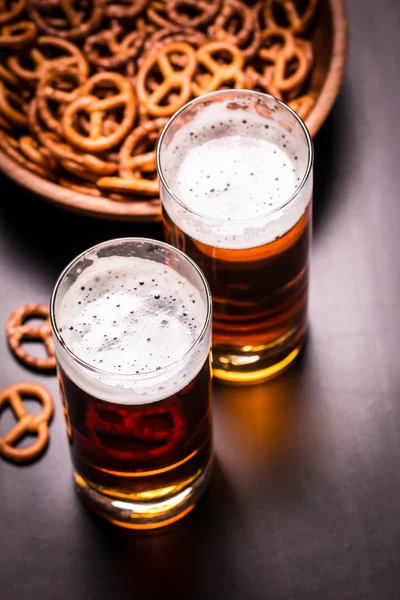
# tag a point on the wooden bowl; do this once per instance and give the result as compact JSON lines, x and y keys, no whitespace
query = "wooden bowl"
{"x":330,"y":55}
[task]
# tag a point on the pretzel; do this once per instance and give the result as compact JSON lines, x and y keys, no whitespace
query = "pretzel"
{"x":12,"y":106}
{"x":36,"y":153}
{"x":172,"y":79}
{"x":50,"y":90}
{"x":275,"y":40}
{"x":292,"y":58}
{"x":11,"y":10}
{"x":302,"y":105}
{"x":291,"y":70}
{"x":207,"y":10}
{"x":218,"y":73}
{"x":119,"y":52}
{"x":124,"y":9}
{"x":16,"y":332}
{"x":294,"y":20}
{"x":96,"y":108}
{"x":80,"y":188}
{"x":17,"y":35}
{"x":76,"y":23}
{"x":27,"y":423}
{"x":10,"y":146}
{"x":42,"y":62}
{"x":237,"y":24}
{"x":62,"y":151}
{"x":137,"y":158}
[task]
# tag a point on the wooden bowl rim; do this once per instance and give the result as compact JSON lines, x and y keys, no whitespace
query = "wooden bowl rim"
{"x":149,"y":210}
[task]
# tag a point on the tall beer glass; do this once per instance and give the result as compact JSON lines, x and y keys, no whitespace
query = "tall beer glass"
{"x":236,"y":185}
{"x":131,"y":323}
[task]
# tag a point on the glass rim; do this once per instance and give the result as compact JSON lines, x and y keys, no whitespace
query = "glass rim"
{"x":137,"y":377}
{"x":237,"y":92}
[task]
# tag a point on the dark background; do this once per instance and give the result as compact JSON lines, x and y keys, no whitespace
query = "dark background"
{"x":305,"y":500}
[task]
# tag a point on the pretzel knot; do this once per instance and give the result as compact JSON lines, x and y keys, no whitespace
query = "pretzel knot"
{"x":17,"y":332}
{"x":138,"y":173}
{"x":293,"y":19}
{"x":174,"y":90}
{"x":291,"y":58}
{"x":219,"y":73}
{"x":27,"y":423}
{"x":38,"y":55}
{"x":96,"y":109}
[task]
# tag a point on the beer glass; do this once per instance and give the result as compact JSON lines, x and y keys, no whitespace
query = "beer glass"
{"x":131,"y":324}
{"x":235,"y":168}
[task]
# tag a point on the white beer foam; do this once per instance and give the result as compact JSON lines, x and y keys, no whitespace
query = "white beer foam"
{"x":130,"y":318}
{"x":232,"y":167}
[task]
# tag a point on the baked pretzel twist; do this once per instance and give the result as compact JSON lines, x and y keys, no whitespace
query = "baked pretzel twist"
{"x":17,"y":332}
{"x":26,"y":423}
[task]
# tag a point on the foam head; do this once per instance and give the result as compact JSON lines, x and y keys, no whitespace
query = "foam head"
{"x":132,"y":321}
{"x":233,"y":168}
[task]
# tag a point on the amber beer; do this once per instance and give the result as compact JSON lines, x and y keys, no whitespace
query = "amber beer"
{"x":131,"y":320}
{"x":236,"y":186}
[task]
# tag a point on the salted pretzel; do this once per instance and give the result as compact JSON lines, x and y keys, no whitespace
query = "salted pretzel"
{"x":294,"y":19}
{"x":17,"y":332}
{"x":180,"y":12}
{"x":26,"y":422}
{"x":80,"y":18}
{"x":237,"y":24}
{"x":124,"y":9}
{"x":58,"y":86}
{"x":121,"y":48}
{"x":137,"y":159}
{"x":17,"y":35}
{"x":218,"y":73}
{"x":96,"y":108}
{"x":46,"y":54}
{"x":11,"y":10}
{"x":173,"y":80}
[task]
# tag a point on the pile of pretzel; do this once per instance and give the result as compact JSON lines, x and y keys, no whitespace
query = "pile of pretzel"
{"x":86,"y":86}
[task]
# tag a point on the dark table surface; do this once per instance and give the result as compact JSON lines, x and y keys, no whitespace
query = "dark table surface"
{"x":304,"y":502}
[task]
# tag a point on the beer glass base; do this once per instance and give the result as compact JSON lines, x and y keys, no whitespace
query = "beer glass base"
{"x":253,"y":364}
{"x":144,"y":515}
